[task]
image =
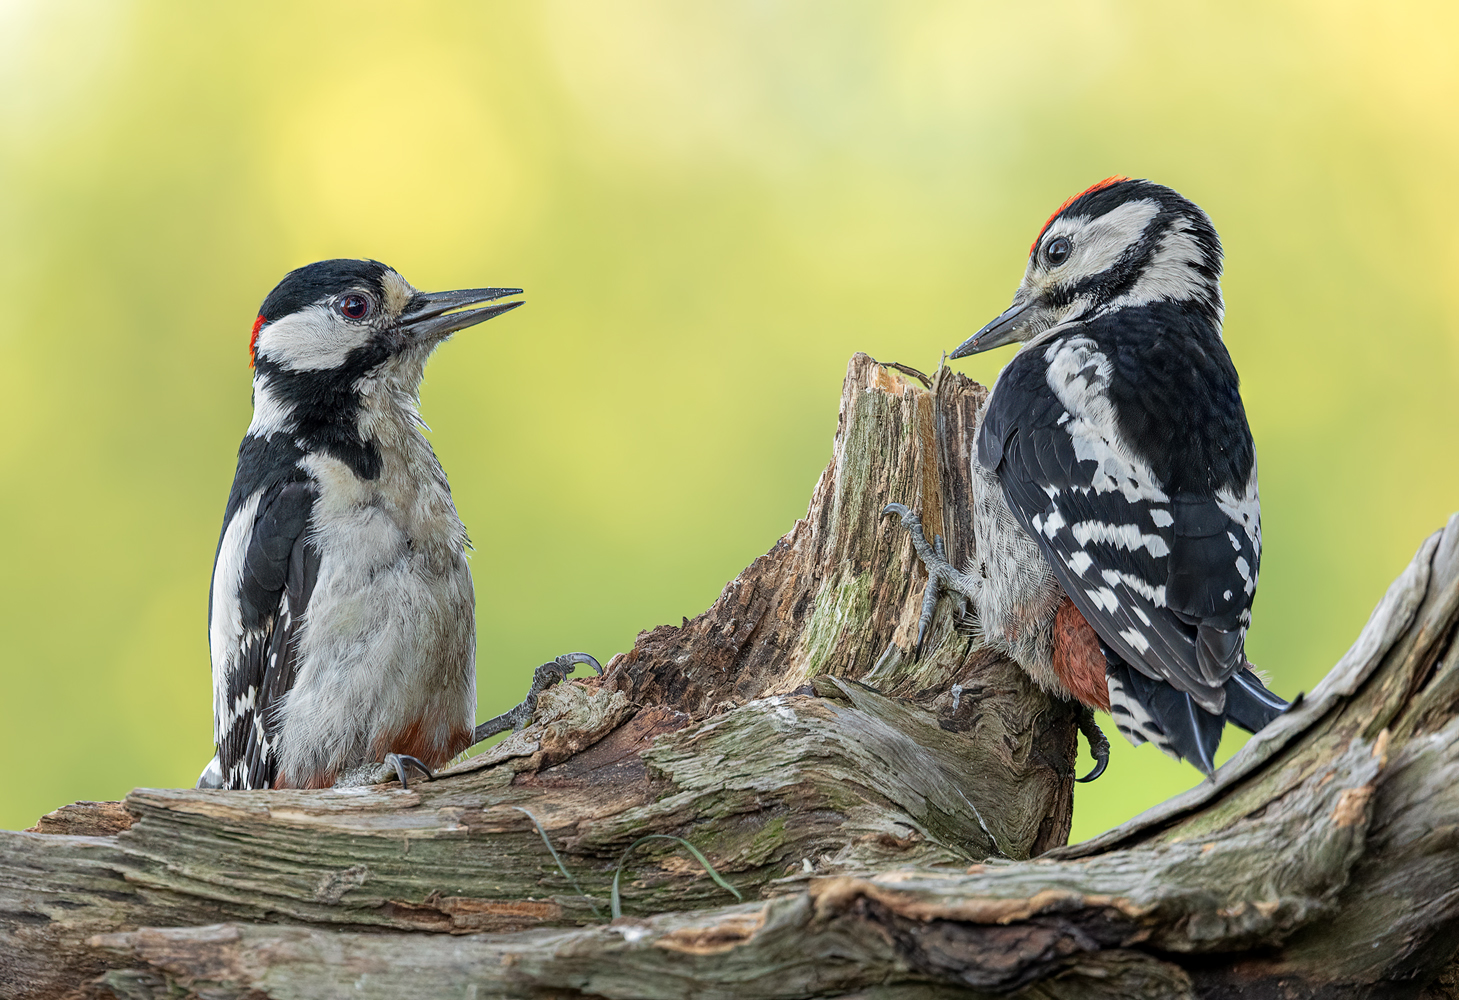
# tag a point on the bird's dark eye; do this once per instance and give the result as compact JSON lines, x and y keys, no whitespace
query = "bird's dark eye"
{"x":354,"y":306}
{"x":1056,"y":251}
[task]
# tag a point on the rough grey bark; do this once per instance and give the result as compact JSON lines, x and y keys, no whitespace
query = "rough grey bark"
{"x":877,"y":811}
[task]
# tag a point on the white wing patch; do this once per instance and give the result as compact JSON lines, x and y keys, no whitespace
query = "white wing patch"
{"x":1245,"y":509}
{"x":225,"y":631}
{"x":1124,"y":536}
{"x":245,"y":702}
{"x":1079,"y":375}
{"x":1153,"y":593}
{"x":1137,"y":641}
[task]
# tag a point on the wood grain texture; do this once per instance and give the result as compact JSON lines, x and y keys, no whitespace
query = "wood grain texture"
{"x":889,"y":819}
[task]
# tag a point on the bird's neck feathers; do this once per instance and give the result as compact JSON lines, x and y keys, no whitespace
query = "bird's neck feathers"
{"x":1180,"y":264}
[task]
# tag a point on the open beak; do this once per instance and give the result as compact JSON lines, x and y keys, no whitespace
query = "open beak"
{"x":1007,"y":328}
{"x":433,"y":315}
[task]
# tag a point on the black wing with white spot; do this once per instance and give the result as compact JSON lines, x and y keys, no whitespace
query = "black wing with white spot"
{"x":279,"y":568}
{"x":1164,"y":576}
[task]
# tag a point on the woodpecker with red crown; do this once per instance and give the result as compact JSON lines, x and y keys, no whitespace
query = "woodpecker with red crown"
{"x":1116,"y":519}
{"x":341,"y":613}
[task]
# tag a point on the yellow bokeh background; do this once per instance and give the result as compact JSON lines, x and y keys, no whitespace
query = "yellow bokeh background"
{"x":711,"y":206}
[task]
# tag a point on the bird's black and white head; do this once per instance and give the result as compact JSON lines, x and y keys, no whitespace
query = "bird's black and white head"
{"x":1123,"y":243}
{"x":339,"y":348}
{"x":344,"y":320}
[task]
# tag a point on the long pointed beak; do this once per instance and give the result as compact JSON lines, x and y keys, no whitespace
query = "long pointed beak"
{"x":431,"y":314}
{"x":1003,"y":330}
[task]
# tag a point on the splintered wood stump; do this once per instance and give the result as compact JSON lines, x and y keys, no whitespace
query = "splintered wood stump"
{"x":893,"y":822}
{"x":839,"y":596}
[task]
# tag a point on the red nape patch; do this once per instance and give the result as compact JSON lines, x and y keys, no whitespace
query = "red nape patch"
{"x":253,"y":340}
{"x":1107,"y":182}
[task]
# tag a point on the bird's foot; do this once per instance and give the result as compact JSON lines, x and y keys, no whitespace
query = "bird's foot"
{"x":542,"y":678}
{"x":942,"y":576}
{"x":399,"y":765}
{"x":1098,"y":743}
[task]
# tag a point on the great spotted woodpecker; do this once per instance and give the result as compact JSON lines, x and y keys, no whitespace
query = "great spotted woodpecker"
{"x":1116,"y":519}
{"x":341,"y":613}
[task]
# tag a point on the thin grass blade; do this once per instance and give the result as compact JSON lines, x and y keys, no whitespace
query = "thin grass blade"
{"x":560,"y":866}
{"x":615,"y":898}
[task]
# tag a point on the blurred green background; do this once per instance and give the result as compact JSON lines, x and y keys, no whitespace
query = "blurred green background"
{"x":711,"y":207}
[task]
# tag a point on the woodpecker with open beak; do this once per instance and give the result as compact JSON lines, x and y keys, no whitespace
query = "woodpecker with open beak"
{"x":1116,"y":518}
{"x":341,"y":613}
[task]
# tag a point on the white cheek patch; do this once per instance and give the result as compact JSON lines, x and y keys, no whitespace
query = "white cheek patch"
{"x":1098,"y":243}
{"x":312,"y":339}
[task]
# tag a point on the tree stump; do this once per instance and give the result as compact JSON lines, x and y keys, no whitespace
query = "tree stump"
{"x":894,"y":823}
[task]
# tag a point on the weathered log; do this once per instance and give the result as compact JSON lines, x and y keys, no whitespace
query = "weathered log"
{"x":880,"y":829}
{"x":751,"y":731}
{"x":1320,"y":862}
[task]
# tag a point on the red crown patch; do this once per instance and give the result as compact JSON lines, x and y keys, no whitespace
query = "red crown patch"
{"x":1107,"y":182}
{"x":253,"y":340}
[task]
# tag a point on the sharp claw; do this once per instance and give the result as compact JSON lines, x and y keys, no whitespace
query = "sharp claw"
{"x":542,"y":678}
{"x":399,"y":761}
{"x":1098,"y":743}
{"x":567,"y":661}
{"x":1099,"y":766}
{"x":913,"y":524}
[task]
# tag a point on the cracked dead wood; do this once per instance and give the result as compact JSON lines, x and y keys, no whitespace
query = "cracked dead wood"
{"x":877,"y":811}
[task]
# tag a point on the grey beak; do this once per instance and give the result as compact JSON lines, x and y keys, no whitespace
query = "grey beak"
{"x":1003,"y":330}
{"x":430,"y":313}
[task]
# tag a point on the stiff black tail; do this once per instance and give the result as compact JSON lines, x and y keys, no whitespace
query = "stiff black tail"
{"x":1145,"y":709}
{"x":1249,"y":704}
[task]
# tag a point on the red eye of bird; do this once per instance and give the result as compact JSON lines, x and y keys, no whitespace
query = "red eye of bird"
{"x":354,"y":306}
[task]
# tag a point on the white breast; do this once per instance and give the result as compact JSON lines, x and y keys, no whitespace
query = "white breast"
{"x":390,"y":631}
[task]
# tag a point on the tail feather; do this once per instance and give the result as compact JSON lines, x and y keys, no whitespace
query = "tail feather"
{"x":1147,"y":709}
{"x":1248,"y":702}
{"x":1150,"y":710}
{"x":212,"y":776}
